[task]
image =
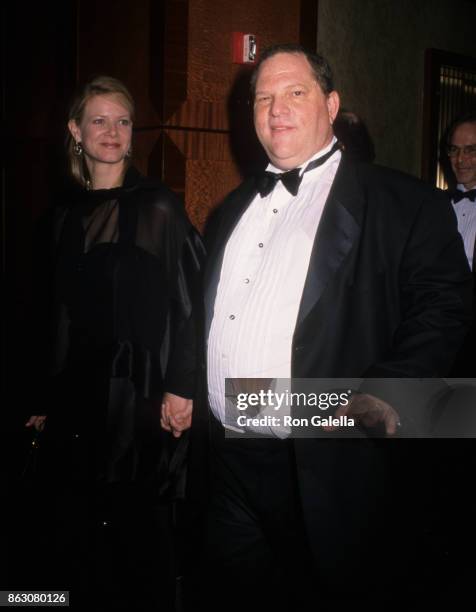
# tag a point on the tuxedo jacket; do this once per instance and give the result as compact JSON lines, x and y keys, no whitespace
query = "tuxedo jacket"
{"x":387,"y":294}
{"x":465,"y":364}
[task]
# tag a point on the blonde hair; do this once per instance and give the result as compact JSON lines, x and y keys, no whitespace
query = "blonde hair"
{"x":99,"y":85}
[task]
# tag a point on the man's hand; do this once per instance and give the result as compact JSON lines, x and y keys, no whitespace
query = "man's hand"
{"x":38,"y":422}
{"x":370,"y":411}
{"x":176,"y":414}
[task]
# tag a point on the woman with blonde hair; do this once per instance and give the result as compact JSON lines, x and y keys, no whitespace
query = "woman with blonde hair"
{"x":124,"y":355}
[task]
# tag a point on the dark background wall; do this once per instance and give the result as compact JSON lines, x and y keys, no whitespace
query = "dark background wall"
{"x":377,"y":50}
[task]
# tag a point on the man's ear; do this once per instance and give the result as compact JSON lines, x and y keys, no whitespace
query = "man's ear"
{"x":333,"y":103}
{"x":75,"y":130}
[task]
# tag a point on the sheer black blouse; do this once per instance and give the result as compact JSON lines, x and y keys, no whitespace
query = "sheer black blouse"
{"x":126,"y":291}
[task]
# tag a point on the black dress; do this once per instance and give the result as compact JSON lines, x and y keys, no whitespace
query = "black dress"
{"x":123,"y":333}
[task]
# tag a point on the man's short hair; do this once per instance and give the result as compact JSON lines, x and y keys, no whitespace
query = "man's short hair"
{"x":319,"y":65}
{"x":466,"y":118}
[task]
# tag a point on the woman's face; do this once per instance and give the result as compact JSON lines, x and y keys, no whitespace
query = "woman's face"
{"x":105,"y":130}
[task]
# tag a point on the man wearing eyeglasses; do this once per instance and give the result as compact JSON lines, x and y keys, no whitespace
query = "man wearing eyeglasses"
{"x":462,"y":154}
{"x":456,"y":470}
{"x":461,"y":150}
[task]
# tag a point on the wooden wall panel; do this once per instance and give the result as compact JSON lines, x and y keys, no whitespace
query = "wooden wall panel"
{"x":204,"y":158}
{"x":193,"y":119}
{"x":208,"y":182}
{"x":211,"y":73}
{"x":114,"y":38}
{"x":157,"y":155}
{"x":217,"y":95}
{"x":169,"y":52}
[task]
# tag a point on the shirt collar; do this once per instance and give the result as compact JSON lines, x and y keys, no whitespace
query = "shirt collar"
{"x":461,"y":187}
{"x":271,"y":168}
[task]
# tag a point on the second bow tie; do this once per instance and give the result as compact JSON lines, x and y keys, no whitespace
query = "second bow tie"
{"x":458,"y":195}
{"x":291,"y":179}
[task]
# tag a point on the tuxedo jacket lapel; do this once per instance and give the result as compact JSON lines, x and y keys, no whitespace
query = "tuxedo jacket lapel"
{"x":338,"y":230}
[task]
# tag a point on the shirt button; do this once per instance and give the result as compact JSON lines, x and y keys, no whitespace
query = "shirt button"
{"x":275,"y":210}
{"x":260,"y":245}
{"x":231,"y":317}
{"x":247,"y":280}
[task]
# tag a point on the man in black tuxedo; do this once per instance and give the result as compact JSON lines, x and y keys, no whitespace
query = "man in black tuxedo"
{"x":461,"y":151}
{"x":457,"y":456}
{"x":336,"y":269}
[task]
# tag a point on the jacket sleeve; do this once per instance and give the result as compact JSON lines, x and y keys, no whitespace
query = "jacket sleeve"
{"x":435,"y":296}
{"x":185,"y":319}
{"x":435,"y":303}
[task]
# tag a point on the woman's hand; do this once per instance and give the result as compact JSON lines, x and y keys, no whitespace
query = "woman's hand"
{"x":38,"y":422}
{"x":176,"y":414}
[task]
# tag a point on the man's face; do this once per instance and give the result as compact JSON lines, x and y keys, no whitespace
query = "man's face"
{"x":293,"y":117}
{"x":464,"y":163}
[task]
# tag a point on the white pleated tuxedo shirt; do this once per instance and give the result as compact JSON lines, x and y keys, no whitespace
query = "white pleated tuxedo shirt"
{"x":262,"y":278}
{"x":466,"y":214}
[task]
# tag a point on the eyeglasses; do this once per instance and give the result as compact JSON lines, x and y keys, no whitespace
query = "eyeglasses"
{"x":467,"y":151}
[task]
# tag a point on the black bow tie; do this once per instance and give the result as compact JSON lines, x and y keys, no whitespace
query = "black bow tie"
{"x":291,"y":179}
{"x":458,"y":195}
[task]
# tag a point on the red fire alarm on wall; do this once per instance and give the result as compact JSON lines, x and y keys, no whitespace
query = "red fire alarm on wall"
{"x":245,"y":48}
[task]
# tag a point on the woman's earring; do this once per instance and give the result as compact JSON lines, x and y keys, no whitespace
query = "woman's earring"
{"x":78,"y":148}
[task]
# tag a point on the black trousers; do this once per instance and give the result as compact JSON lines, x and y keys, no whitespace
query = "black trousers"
{"x":256,"y":556}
